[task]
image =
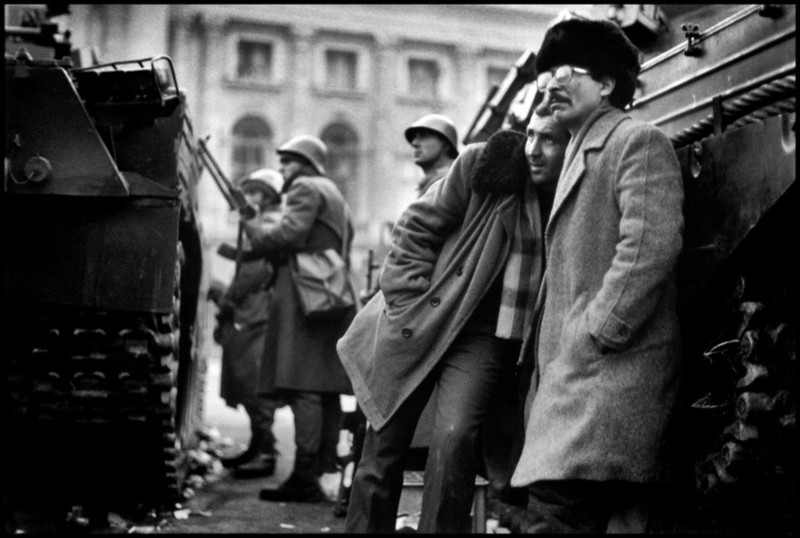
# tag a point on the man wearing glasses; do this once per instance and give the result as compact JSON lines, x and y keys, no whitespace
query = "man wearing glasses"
{"x":607,"y":342}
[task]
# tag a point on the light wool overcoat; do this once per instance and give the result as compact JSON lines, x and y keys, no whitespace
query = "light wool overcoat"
{"x":447,"y":248}
{"x":612,"y":243}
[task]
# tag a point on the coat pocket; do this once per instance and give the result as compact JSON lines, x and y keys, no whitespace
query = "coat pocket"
{"x":581,"y":347}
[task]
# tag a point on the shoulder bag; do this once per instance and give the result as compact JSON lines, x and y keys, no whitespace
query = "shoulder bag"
{"x":322,"y":282}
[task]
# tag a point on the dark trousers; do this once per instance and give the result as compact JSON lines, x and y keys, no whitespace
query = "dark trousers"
{"x":261,"y":411}
{"x":317,"y":421}
{"x":501,"y":439}
{"x":467,"y":378}
{"x":588,"y":507}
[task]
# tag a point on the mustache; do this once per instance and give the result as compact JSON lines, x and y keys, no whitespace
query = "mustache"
{"x":557,"y":98}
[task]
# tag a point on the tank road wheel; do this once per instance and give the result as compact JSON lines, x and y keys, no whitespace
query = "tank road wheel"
{"x":742,"y":438}
{"x":155,"y":343}
{"x":94,"y":405}
{"x":164,"y":391}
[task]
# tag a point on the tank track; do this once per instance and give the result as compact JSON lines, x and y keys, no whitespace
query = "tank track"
{"x":739,"y":435}
{"x":98,"y":389}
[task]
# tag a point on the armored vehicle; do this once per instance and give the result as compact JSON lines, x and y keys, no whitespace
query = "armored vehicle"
{"x":726,"y":98}
{"x":719,"y":80}
{"x":103,"y":277}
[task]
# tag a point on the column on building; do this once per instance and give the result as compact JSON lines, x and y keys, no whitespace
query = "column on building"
{"x":303,"y":119}
{"x":386,"y":131}
{"x":148,"y":25}
{"x":469,"y":77}
{"x":183,"y":51}
{"x":117,"y":39}
{"x":210,"y":118}
{"x":216,"y":71}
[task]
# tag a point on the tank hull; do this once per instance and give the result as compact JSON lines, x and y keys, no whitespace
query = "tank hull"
{"x":103,"y":289}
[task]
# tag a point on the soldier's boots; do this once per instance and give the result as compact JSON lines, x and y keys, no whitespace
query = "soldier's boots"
{"x":261,"y":466}
{"x":301,"y":486}
{"x":246,"y":456}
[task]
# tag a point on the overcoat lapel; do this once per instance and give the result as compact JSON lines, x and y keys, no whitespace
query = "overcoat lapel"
{"x":594,"y":138}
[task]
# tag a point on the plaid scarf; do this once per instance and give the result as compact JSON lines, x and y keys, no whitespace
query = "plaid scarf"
{"x":523,"y":270}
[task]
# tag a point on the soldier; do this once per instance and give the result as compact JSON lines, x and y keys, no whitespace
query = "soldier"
{"x":457,"y":290}
{"x":242,"y":324}
{"x":435,"y":144}
{"x":300,"y":354}
{"x":608,"y":344}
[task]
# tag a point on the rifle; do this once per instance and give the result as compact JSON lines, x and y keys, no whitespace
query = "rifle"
{"x":491,"y":115}
{"x":233,"y":195}
{"x":368,"y":292}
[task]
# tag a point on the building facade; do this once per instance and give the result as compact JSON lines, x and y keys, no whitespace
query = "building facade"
{"x":354,"y":75}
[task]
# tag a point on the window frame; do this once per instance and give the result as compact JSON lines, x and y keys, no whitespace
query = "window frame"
{"x":437,"y":81}
{"x":343,"y":51}
{"x":350,"y":184}
{"x":444,"y":61}
{"x":278,"y":74}
{"x":268,"y":143}
{"x":363,"y":66}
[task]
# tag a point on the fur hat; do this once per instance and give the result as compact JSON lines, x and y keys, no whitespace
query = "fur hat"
{"x":597,"y":45}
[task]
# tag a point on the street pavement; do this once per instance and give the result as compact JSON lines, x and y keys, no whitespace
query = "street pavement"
{"x":232,"y":506}
{"x":229,"y":505}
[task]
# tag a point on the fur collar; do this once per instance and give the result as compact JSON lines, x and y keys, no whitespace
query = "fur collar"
{"x":502,"y":167}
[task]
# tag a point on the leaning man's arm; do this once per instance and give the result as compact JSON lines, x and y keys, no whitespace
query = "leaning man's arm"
{"x":650,"y":196}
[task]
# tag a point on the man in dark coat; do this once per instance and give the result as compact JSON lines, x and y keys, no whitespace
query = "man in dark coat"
{"x":457,"y":290}
{"x":300,"y":360}
{"x":608,"y":347}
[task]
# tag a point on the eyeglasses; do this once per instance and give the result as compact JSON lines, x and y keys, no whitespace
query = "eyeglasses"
{"x":563,"y":74}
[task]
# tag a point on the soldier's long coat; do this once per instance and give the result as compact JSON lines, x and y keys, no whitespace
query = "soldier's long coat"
{"x":447,"y":248}
{"x":612,"y":243}
{"x":242,"y":337}
{"x":300,"y":354}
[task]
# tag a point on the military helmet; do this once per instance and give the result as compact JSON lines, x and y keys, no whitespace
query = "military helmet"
{"x":310,"y":148}
{"x":437,"y":123}
{"x":266,"y":178}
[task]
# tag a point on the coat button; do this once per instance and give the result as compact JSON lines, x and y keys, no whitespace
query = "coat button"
{"x":435,"y":301}
{"x":623,"y":331}
{"x":460,"y":271}
{"x":406,"y":333}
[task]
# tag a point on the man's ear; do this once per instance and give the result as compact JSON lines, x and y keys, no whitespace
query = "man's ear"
{"x":607,"y":85}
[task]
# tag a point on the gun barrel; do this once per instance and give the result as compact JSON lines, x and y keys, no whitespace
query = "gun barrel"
{"x":370,"y":256}
{"x":218,"y":176}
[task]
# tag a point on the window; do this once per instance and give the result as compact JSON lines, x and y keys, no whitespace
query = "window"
{"x":423,"y":78}
{"x":343,"y":163}
{"x":252,"y":143}
{"x":255,"y":60}
{"x":340,"y":69}
{"x":341,"y":66}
